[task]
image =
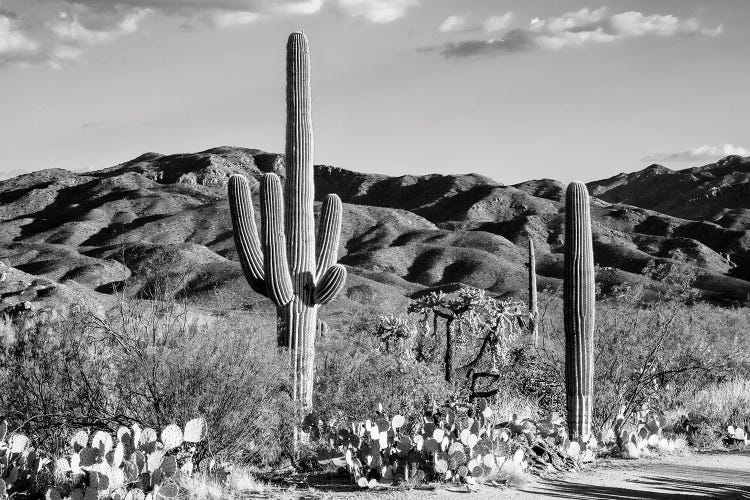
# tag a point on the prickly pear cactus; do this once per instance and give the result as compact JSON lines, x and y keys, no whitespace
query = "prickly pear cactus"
{"x":20,"y":464}
{"x":131,"y":465}
{"x":135,"y":465}
{"x":643,"y":434}
{"x":459,"y":442}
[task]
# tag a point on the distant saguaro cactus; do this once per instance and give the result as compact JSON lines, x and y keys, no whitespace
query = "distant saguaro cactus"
{"x":578,"y":297}
{"x":282,"y":263}
{"x":533,"y":305}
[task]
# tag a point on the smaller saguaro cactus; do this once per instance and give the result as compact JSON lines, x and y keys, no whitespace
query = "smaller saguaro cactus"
{"x":579,"y":308}
{"x":533,"y":305}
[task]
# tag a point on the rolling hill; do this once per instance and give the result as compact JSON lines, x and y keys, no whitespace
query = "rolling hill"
{"x":90,"y":232}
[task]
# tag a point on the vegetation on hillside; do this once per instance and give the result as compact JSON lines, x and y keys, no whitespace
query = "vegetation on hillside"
{"x":155,"y":361}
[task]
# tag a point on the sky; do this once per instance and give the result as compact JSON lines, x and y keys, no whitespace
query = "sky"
{"x":514,"y":90}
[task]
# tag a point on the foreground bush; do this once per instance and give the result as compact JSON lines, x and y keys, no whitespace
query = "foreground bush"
{"x":717,"y":415}
{"x":719,"y":405}
{"x":147,"y":365}
{"x":650,"y":348}
{"x":356,"y":375}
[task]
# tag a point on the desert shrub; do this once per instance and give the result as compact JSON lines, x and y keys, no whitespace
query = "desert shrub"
{"x":70,"y":372}
{"x":706,"y":437}
{"x":56,"y":376}
{"x":509,"y":403}
{"x":354,"y":375}
{"x":380,"y":362}
{"x":649,"y":346}
{"x":718,"y":405}
{"x":172,"y":365}
{"x":149,"y":361}
{"x":647,"y":350}
{"x":535,"y":376}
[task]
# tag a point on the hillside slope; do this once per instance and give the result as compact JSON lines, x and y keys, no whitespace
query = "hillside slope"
{"x":400,"y":234}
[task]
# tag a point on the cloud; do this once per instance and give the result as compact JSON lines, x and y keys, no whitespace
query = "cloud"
{"x":636,"y":24}
{"x":15,"y":43}
{"x":699,"y":154}
{"x":497,"y":23}
{"x":514,"y":41}
{"x":579,"y":28}
{"x":376,"y":11}
{"x":452,"y":24}
{"x":70,"y":30}
{"x":54,"y":33}
{"x":256,"y":6}
{"x":226,"y":18}
{"x":218,"y":13}
{"x":456,"y":24}
{"x":58,"y":31}
{"x":97,"y":123}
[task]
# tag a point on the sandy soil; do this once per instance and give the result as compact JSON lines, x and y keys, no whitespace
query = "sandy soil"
{"x":697,"y":475}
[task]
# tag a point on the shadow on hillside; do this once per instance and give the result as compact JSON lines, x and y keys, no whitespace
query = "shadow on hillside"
{"x":671,"y":482}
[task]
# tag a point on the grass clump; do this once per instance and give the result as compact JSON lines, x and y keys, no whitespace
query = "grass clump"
{"x":720,"y":404}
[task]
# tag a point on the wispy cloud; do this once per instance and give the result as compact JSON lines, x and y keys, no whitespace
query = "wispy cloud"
{"x":258,"y":6}
{"x":462,"y":24}
{"x":97,"y":123}
{"x":229,"y":18}
{"x":699,"y":154}
{"x":576,"y":29}
{"x":376,"y":11}
{"x":58,"y":31}
{"x":70,"y":29}
{"x":15,"y":43}
{"x":452,"y":24}
{"x":497,"y":23}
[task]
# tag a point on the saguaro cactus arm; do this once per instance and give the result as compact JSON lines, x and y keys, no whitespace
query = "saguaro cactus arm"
{"x":278,"y":280}
{"x":330,"y":284}
{"x":246,"y":233}
{"x":329,"y":234}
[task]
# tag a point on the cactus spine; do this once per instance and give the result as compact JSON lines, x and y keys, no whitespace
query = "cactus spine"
{"x":533,"y":305}
{"x":578,"y":297}
{"x":282,"y":263}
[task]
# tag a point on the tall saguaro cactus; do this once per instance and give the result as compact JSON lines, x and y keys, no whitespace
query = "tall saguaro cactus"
{"x":578,"y":298}
{"x":533,"y":306}
{"x":281,"y":261}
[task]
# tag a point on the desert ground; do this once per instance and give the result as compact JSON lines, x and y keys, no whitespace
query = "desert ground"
{"x":700,"y":475}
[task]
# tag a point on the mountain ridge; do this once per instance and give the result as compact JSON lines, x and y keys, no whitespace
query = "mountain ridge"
{"x":400,"y":234}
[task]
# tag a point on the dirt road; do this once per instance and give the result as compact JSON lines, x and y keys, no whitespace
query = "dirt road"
{"x":697,"y":475}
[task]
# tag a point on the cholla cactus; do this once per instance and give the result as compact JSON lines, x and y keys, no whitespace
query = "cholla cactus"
{"x":282,"y":262}
{"x":395,"y":333}
{"x":579,"y":308}
{"x":471,"y":313}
